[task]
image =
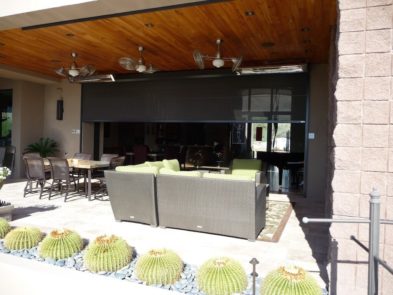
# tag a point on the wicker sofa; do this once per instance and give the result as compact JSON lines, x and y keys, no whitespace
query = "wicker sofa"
{"x":229,"y":207}
{"x":232,"y":205}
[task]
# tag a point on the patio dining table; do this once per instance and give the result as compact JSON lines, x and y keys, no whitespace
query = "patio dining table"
{"x":88,"y":166}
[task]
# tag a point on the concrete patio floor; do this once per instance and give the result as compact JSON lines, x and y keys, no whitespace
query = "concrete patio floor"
{"x":301,"y":245}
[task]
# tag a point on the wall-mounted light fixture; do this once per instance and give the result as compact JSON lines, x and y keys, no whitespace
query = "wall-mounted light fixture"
{"x":60,"y":105}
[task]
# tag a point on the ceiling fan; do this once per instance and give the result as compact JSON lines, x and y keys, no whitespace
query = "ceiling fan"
{"x":218,"y":61}
{"x":75,"y":73}
{"x":140,"y":66}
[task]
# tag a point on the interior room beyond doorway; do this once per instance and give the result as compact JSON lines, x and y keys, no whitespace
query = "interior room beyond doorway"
{"x":279,"y":145}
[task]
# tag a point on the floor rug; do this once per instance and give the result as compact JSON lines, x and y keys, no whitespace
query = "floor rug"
{"x":277,"y":216}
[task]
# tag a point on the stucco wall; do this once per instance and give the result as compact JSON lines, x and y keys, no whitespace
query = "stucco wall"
{"x":61,"y":130}
{"x":27,"y":116}
{"x":362,"y":140}
{"x":317,"y":147}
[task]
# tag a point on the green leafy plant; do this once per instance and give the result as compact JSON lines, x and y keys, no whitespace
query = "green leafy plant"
{"x":107,"y":253}
{"x":221,"y":276}
{"x":4,"y":172}
{"x":44,"y":146}
{"x":60,"y":244}
{"x":22,"y":238}
{"x":159,"y":266}
{"x":290,"y":280}
{"x":4,"y":227}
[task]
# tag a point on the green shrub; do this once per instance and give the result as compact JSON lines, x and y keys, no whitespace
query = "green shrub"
{"x":44,"y":146}
{"x":221,"y":276}
{"x":107,"y":253}
{"x":60,"y":244}
{"x":22,"y":238}
{"x":4,"y":227}
{"x":159,"y":266}
{"x":291,"y":280}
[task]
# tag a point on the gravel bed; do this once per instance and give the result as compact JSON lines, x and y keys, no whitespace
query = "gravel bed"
{"x":186,"y":284}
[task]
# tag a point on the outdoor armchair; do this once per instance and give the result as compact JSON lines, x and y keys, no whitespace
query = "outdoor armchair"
{"x":133,"y":194}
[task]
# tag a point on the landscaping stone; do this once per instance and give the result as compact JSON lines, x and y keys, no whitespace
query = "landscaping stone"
{"x":187,"y":283}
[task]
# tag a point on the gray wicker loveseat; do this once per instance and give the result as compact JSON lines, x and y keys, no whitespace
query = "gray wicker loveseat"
{"x":221,"y":206}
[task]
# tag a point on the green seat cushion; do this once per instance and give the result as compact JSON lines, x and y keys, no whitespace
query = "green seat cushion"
{"x":158,"y":164}
{"x":249,"y":164}
{"x":140,"y":169}
{"x":172,"y":164}
{"x":166,"y":171}
{"x":228,"y":176}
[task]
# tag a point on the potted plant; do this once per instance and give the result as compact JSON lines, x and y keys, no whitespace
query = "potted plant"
{"x":44,"y":146}
{"x":5,"y":207}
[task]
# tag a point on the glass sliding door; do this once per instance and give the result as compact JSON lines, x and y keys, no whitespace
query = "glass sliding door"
{"x":6,"y":117}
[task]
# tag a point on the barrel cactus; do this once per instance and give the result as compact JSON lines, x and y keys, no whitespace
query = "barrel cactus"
{"x":159,"y":266}
{"x":22,"y":238}
{"x":107,"y":253}
{"x":290,"y":280}
{"x":60,"y":244}
{"x":221,"y":276}
{"x":4,"y":227}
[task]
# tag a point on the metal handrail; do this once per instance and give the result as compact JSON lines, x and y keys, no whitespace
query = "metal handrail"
{"x":373,"y":249}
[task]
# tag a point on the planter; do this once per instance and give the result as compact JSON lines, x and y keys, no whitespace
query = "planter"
{"x":6,"y":211}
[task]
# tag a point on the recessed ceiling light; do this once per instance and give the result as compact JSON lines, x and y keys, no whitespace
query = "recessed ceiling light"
{"x":249,"y":13}
{"x":70,"y":35}
{"x":267,"y":44}
{"x":149,"y":25}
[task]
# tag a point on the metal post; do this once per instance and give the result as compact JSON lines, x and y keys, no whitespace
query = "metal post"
{"x":254,"y":274}
{"x":375,"y":202}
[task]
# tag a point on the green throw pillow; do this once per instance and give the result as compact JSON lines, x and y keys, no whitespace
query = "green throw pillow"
{"x":248,"y":164}
{"x":171,"y":164}
{"x":247,"y":172}
{"x":158,"y":164}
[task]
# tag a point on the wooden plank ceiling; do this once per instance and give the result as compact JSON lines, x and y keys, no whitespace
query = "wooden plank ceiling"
{"x":282,"y":31}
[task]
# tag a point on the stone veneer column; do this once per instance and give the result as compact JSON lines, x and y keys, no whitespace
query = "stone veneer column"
{"x":361,"y":151}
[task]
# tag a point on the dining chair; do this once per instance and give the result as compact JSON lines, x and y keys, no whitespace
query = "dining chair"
{"x":61,"y":176}
{"x":104,"y":158}
{"x":35,"y":172}
{"x":80,"y":173}
{"x":102,"y":190}
{"x":82,"y":156}
{"x":108,"y":157}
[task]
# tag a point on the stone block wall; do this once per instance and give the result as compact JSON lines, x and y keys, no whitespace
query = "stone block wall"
{"x":361,"y":147}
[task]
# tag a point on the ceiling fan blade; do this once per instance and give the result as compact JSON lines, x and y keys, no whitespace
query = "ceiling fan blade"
{"x":198,"y":58}
{"x":236,"y":63}
{"x":150,"y":70}
{"x":127,"y":63}
{"x":87,"y":70}
{"x":61,"y":72}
